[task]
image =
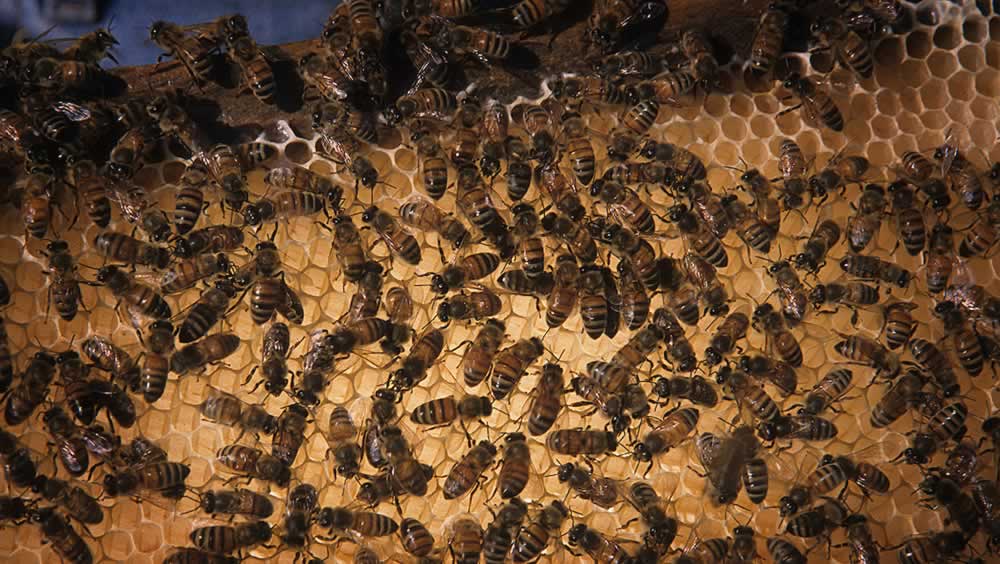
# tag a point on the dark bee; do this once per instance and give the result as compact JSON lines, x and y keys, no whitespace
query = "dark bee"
{"x":206,"y":311}
{"x":515,"y":467}
{"x":166,"y":478}
{"x":424,"y":215}
{"x":967,"y":345}
{"x":236,"y":502}
{"x":190,"y":198}
{"x":679,"y":350}
{"x":194,"y":52}
{"x":874,"y":268}
{"x":777,"y":372}
{"x":732,"y":329}
{"x":948,"y":423}
{"x":64,"y":288}
{"x":562,"y":300}
{"x":534,"y":538}
{"x":510,"y":365}
{"x":411,"y":475}
{"x":443,"y":411}
{"x":186,"y":273}
{"x":669,"y":433}
{"x":500,"y":533}
{"x":851,"y":295}
{"x":395,"y":237}
{"x":111,"y":358}
{"x":255,"y":68}
{"x":961,"y":175}
{"x":851,"y":49}
{"x":729,"y":462}
{"x":575,"y":442}
{"x":803,"y":427}
{"x":899,"y":324}
{"x":695,"y":389}
{"x":820,"y":521}
{"x":784,"y":552}
{"x":908,"y":219}
{"x":223,"y":539}
{"x":467,"y":471}
{"x":254,"y":463}
{"x":136,"y":295}
{"x":470,"y":267}
{"x":70,"y":446}
{"x":597,"y":546}
{"x":779,"y":339}
{"x":738,"y":384}
{"x":424,"y":103}
{"x":227,"y":409}
{"x":546,"y":401}
{"x":864,"y":225}
{"x":425,"y":351}
{"x":593,"y":303}
{"x":931,"y":547}
{"x":197,"y":356}
{"x":479,"y":304}
{"x":18,"y":465}
{"x":962,"y":509}
{"x":829,"y":389}
{"x":698,"y":237}
{"x":211,"y":240}
{"x":415,"y":537}
{"x":299,"y":509}
{"x":227,"y":171}
{"x":79,"y":504}
{"x":868,"y":351}
{"x":465,"y":541}
{"x":816,"y":103}
{"x":937,"y":364}
{"x":32,"y":390}
{"x":893,"y":404}
{"x":768,"y":40}
{"x":940,"y":258}
{"x":65,"y":541}
{"x":702,"y":275}
{"x":636,"y":122}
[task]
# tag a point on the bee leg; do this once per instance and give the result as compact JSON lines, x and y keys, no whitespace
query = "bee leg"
{"x":788,"y":110}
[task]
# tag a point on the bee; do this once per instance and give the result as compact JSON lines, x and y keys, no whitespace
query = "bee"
{"x":52,"y":73}
{"x":562,"y":300}
{"x":156,"y":363}
{"x":530,"y":13}
{"x":698,"y":51}
{"x":667,"y":434}
{"x":174,"y":120}
{"x":211,"y":240}
{"x":628,"y":63}
{"x":665,"y":87}
{"x":83,"y":174}
{"x":18,"y":465}
{"x":698,"y":237}
{"x":467,"y":471}
{"x":193,"y":51}
{"x":981,"y":236}
{"x":136,"y":295}
{"x":223,"y":539}
{"x":190,"y":199}
{"x":236,"y":502}
{"x":874,"y":268}
{"x":64,"y":288}
{"x":738,"y":384}
{"x":577,"y":146}
{"x":575,"y":90}
{"x":865,"y":223}
{"x":893,"y":404}
{"x":779,"y":339}
{"x":546,"y":401}
{"x":948,"y":423}
{"x":109,"y":357}
{"x":227,"y":171}
{"x":777,"y":372}
{"x":967,"y":345}
{"x":127,"y":249}
{"x":597,"y":546}
{"x":415,"y":537}
{"x":961,"y":175}
{"x":424,"y":215}
{"x":469,"y":268}
{"x":962,"y":509}
{"x":478,"y":358}
{"x":593,"y":303}
{"x":475,"y":204}
{"x":188,"y":272}
{"x":703,"y":276}
{"x":754,"y":232}
{"x":465,"y":540}
{"x":816,"y":103}
{"x":206,"y":311}
{"x":510,"y":365}
{"x":36,"y":207}
{"x":828,"y":390}
{"x":350,"y":248}
{"x":625,"y":204}
{"x":820,"y":521}
{"x":792,"y":164}
{"x":283,"y":205}
{"x":519,"y":173}
{"x":852,"y":51}
{"x":515,"y":466}
{"x":442,"y":411}
{"x":576,"y":442}
{"x":932,"y":360}
{"x":70,"y":446}
{"x":695,"y":389}
{"x":475,"y":305}
{"x":679,"y":349}
{"x":79,"y":504}
{"x":256,"y":69}
{"x":227,"y":409}
{"x":346,"y":453}
{"x":768,"y":39}
{"x":931,"y":547}
{"x":299,"y":509}
{"x":940,"y":258}
{"x":433,"y":103}
{"x":333,"y":114}
{"x":65,"y":541}
{"x":254,"y":463}
{"x":802,"y":427}
{"x":851,"y":294}
{"x":6,"y":360}
{"x":784,"y":552}
{"x":612,"y":375}
{"x":909,"y":220}
{"x":729,"y":462}
{"x":395,"y":237}
{"x":31,"y":391}
{"x":500,"y":533}
{"x":636,"y":122}
{"x":870,"y":352}
{"x":836,"y":174}
{"x":634,"y":300}
{"x":212,"y":348}
{"x":534,"y":538}
{"x":425,"y":351}
{"x":166,"y":478}
{"x":404,"y":467}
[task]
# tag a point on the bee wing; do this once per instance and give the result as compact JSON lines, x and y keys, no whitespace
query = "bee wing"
{"x":885,"y":449}
{"x":707,"y":447}
{"x":74,"y":112}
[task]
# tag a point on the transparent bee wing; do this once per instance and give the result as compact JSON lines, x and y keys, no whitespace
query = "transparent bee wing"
{"x":879,"y":453}
{"x":74,"y":112}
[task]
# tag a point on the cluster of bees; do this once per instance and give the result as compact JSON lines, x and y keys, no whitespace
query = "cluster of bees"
{"x":76,"y":147}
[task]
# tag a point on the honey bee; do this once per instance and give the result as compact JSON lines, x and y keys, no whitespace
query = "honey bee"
{"x":283,"y":205}
{"x":186,"y":273}
{"x":32,"y":389}
{"x":737,"y":383}
{"x":197,"y":356}
{"x":874,"y":268}
{"x":227,"y":409}
{"x":478,"y":358}
{"x":479,"y":304}
{"x":395,"y":237}
{"x":475,"y":204}
{"x":58,"y":532}
{"x":816,"y":103}
{"x":932,"y":546}
{"x":36,"y":208}
{"x":415,"y":537}
{"x":18,"y":465}
{"x":578,"y":148}
{"x":960,"y":175}
{"x":948,"y":423}
{"x":79,"y":504}
{"x":530,"y":13}
{"x":254,"y":66}
{"x":612,"y":375}
{"x":679,"y":349}
{"x":500,"y":533}
{"x":227,"y":171}
{"x":981,"y":236}
{"x":667,"y":434}
{"x":254,"y":463}
{"x":932,"y":360}
{"x":636,"y":122}
{"x":69,"y":445}
{"x":510,"y":365}
{"x":611,"y":19}
{"x":192,"y":51}
{"x":425,"y":351}
{"x":573,"y":235}
{"x":624,"y":204}
{"x":467,"y":471}
{"x":136,"y":295}
{"x":546,"y":401}
{"x":593,"y":301}
{"x":236,"y":502}
{"x":909,"y":221}
{"x":166,"y":478}
{"x":961,"y":507}
{"x":702,"y":275}
{"x":124,"y":248}
{"x":829,"y":389}
{"x":597,"y":546}
{"x":410,"y":473}
{"x":727,"y":463}
{"x":211,"y":240}
{"x":534,"y":538}
{"x":864,"y":225}
{"x":222,"y":539}
{"x":562,"y":300}
{"x":893,"y":404}
{"x":469,"y":268}
{"x":694,"y":388}
{"x":698,"y":237}
{"x":576,"y":442}
{"x":768,"y":39}
{"x":465,"y":540}
{"x":424,"y":215}
{"x":703,"y":64}
{"x":664,"y":88}
{"x":852,"y":51}
{"x":442,"y":411}
{"x":968,"y":346}
{"x":531,"y":249}
{"x":573,"y":91}
{"x":83,"y":174}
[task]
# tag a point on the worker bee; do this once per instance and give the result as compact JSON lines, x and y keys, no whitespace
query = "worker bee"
{"x":69,"y":445}
{"x":694,"y":388}
{"x":779,"y":339}
{"x":511,"y":363}
{"x":425,"y":351}
{"x":727,"y":462}
{"x":226,"y":170}
{"x":597,"y":546}
{"x":961,"y":175}
{"x":948,"y":423}
{"x":816,"y":103}
{"x":909,"y":220}
{"x":530,"y":13}
{"x":65,"y":541}
{"x":284,"y":205}
{"x":500,"y":533}
{"x":223,"y":539}
{"x":703,"y":64}
{"x":803,"y":427}
{"x":434,"y":103}
{"x":64,"y":288}
{"x":31,"y":391}
{"x":299,"y":513}
{"x":576,"y":442}
{"x":893,"y":404}
{"x":415,"y":537}
{"x":874,"y":268}
{"x":156,"y":363}
{"x":611,"y":19}
{"x":206,"y":311}
{"x":593,"y":301}
{"x":703,"y":276}
{"x":852,"y":51}
{"x":124,"y":248}
{"x":255,"y":68}
{"x":39,"y":194}
{"x":426,"y":216}
{"x":395,"y":237}
{"x":465,"y":540}
{"x":768,"y":39}
{"x":442,"y":411}
{"x":679,"y":350}
{"x":934,"y":361}
{"x":18,"y":465}
{"x":664,"y":88}
{"x":194,"y":52}
{"x":961,"y":507}
{"x":531,"y":249}
{"x":475,"y":204}
{"x":981,"y":236}
{"x":227,"y":409}
{"x":349,"y":246}
{"x":166,"y":478}
{"x":534,"y":538}
{"x":254,"y":463}
{"x":636,"y":122}
{"x":829,"y":389}
{"x":870,"y":352}
{"x":186,"y":273}
{"x":136,"y":295}
{"x":562,"y":300}
{"x":467,"y":471}
{"x":698,"y":237}
{"x":79,"y":504}
{"x":667,"y":434}
{"x":478,"y":304}
{"x":839,"y":170}
{"x":546,"y":401}
{"x":83,"y":174}
{"x":478,"y":358}
{"x":469,"y":268}
{"x":865,"y":223}
{"x":898,"y":323}
{"x":236,"y":502}
{"x":777,"y":372}
{"x":931,"y":546}
{"x":967,"y":345}
{"x":197,"y":356}
{"x":211,"y":240}
{"x":515,"y":466}
{"x":737,"y":383}
{"x":109,"y":357}
{"x":624,"y":204}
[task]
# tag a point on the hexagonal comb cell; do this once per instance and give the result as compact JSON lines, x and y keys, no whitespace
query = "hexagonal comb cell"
{"x":926,"y":82}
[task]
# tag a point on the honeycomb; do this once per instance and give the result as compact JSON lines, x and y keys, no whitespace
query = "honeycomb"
{"x":941,"y":76}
